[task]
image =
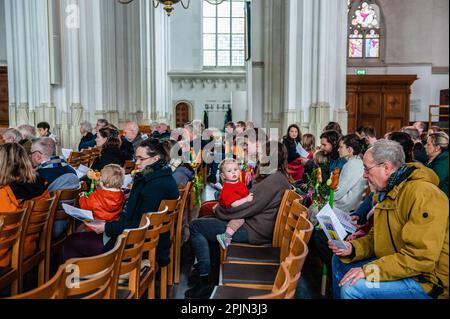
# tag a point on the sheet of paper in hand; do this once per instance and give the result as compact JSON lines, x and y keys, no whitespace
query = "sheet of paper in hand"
{"x":127,"y":181}
{"x":66,"y":152}
{"x":301,"y":151}
{"x":83,"y":215}
{"x":333,"y":229}
{"x":82,"y":171}
{"x":346,"y":220}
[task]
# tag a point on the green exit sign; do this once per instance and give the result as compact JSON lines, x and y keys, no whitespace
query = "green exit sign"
{"x":361,"y":72}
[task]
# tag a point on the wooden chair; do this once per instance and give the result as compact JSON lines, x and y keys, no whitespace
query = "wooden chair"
{"x":129,"y":166}
{"x":149,"y":253}
{"x":184,"y":195}
{"x":9,"y":241}
{"x":1,"y":223}
{"x":130,"y":263}
{"x":169,"y":226}
{"x":240,"y":253}
{"x":69,"y":197}
{"x":258,"y":276}
{"x":289,"y":197}
{"x":86,"y":157}
{"x":55,"y":288}
{"x":35,"y":228}
{"x":74,"y":159}
{"x":94,"y":277}
{"x":279,"y":289}
{"x":94,"y":153}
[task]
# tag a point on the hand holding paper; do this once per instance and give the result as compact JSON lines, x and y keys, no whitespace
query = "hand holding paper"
{"x":301,"y":151}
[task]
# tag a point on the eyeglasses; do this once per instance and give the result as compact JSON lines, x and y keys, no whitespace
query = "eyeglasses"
{"x":367,"y":169}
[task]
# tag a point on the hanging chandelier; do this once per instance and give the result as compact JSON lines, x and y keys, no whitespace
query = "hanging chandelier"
{"x":168,"y":4}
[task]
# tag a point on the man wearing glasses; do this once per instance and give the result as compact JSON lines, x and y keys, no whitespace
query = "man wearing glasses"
{"x":405,"y":255}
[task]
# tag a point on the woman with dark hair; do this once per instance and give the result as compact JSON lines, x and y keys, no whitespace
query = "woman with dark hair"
{"x":271,"y":181}
{"x":405,"y":140}
{"x":151,"y":185}
{"x":108,"y":140}
{"x":437,"y":151}
{"x":292,"y":140}
{"x":352,"y":185}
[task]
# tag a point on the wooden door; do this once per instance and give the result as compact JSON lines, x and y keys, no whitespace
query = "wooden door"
{"x":4,"y":101}
{"x":182,"y":114}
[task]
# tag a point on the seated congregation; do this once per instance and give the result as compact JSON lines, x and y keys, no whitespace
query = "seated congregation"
{"x":179,"y":215}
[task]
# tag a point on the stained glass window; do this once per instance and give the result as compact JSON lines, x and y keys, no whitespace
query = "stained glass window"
{"x":224,"y":34}
{"x":364,"y":38}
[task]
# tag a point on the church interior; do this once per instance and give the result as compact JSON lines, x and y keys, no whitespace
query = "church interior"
{"x":135,"y":137}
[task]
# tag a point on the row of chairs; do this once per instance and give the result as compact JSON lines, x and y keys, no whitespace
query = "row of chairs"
{"x":36,"y":219}
{"x":86,"y":157}
{"x":248,"y":270}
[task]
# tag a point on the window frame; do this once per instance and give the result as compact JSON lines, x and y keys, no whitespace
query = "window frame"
{"x":366,"y":61}
{"x":229,"y":67}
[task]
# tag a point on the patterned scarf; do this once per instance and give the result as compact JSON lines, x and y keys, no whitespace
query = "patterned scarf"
{"x":159,"y":165}
{"x":54,"y":162}
{"x":397,"y":178}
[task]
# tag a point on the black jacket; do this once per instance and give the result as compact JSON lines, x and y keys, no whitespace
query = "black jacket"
{"x":146,"y":195}
{"x":292,"y":150}
{"x":108,"y":156}
{"x":87,"y":141}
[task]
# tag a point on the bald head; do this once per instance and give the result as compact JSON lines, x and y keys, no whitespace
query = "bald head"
{"x":131,"y":131}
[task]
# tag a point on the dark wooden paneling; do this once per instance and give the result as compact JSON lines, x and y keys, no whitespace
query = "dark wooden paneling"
{"x":4,"y":102}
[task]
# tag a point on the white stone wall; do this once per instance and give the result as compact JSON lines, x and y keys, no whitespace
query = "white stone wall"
{"x":2,"y":33}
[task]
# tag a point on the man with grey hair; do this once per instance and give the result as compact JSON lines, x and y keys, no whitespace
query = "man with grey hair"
{"x":131,"y":134}
{"x":405,"y":254}
{"x":87,"y":139}
{"x":28,"y":135}
{"x":161,"y":132}
{"x":55,"y":170}
{"x":11,"y":135}
{"x":419,"y":152}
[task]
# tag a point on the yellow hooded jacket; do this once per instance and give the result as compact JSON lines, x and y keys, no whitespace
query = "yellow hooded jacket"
{"x":410,"y":234}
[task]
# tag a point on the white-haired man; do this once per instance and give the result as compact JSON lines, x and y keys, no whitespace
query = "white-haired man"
{"x":405,"y":254}
{"x":28,"y":135}
{"x":11,"y":135}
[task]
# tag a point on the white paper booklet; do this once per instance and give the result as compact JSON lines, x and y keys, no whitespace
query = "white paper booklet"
{"x":127,"y":181}
{"x":346,"y":220}
{"x":332,"y":227}
{"x":82,"y":170}
{"x":66,"y":152}
{"x":80,"y":214}
{"x":301,"y":151}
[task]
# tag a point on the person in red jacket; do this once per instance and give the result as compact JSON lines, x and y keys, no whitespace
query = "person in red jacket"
{"x":234,"y":193}
{"x":106,"y":203}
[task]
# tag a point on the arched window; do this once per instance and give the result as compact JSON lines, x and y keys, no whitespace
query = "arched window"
{"x":366,"y":32}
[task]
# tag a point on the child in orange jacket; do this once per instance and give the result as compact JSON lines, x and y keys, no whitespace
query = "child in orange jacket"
{"x":106,"y":203}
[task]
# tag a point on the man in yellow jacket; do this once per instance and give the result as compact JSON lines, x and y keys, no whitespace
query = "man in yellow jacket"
{"x":405,"y":255}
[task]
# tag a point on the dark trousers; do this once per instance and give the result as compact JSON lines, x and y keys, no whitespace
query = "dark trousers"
{"x":81,"y":245}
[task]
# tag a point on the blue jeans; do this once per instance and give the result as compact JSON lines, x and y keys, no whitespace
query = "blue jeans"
{"x":205,"y":230}
{"x":407,"y":288}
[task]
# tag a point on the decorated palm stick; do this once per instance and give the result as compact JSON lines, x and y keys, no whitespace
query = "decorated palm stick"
{"x":333,"y":182}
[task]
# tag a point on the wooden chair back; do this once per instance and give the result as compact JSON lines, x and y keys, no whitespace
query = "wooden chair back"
{"x":149,"y":251}
{"x":55,"y":288}
{"x":296,"y":212}
{"x":74,"y":159}
{"x":94,"y":277}
{"x":280,"y":286}
{"x":129,"y":166}
{"x":35,"y":229}
{"x":54,"y":245}
{"x":283,"y":212}
{"x":130,"y":263}
{"x":182,"y":220}
{"x":295,"y":262}
{"x":86,"y":157}
{"x":9,"y":244}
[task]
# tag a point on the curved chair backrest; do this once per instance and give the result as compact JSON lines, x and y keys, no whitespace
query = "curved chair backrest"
{"x":289,"y":197}
{"x":130,"y":261}
{"x":295,"y":262}
{"x":93,"y":277}
{"x":280,"y":286}
{"x":292,"y":224}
